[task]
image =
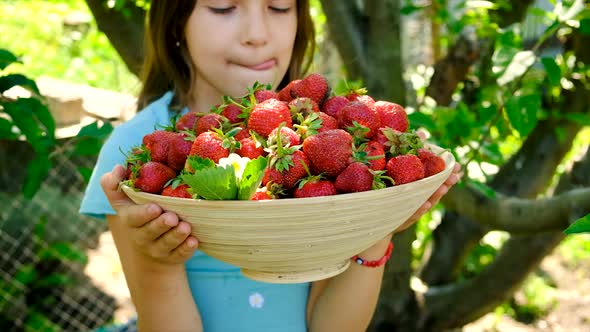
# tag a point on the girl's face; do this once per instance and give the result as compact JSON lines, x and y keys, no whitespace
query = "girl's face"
{"x":234,"y":43}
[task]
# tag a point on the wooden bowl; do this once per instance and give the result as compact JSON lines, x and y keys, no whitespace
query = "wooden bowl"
{"x":298,"y":239}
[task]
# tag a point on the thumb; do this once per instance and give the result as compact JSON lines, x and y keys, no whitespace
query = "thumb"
{"x":110,"y":184}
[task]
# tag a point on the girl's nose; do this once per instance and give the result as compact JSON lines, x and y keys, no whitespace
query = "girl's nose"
{"x":255,"y":28}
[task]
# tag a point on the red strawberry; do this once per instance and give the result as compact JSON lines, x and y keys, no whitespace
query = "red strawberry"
{"x":433,"y":163}
{"x":152,"y":176}
{"x":372,"y":154}
{"x":333,"y":105}
{"x":295,"y":172}
{"x":187,"y":121}
{"x":244,"y":133}
{"x":209,"y":121}
{"x":328,"y":122}
{"x":261,"y":195}
{"x":365,"y":99}
{"x":271,"y":175}
{"x":285,"y":93}
{"x":392,"y":115}
{"x":232,"y":113}
{"x":405,"y":169}
{"x":209,"y":145}
{"x":178,"y":150}
{"x":262,"y":95}
{"x":249,"y":148}
{"x":355,"y":178}
{"x":363,"y":115}
{"x":268,"y":115}
{"x":329,"y":152}
{"x":181,"y":191}
{"x":158,"y":143}
{"x":288,"y":136}
{"x":315,"y":188}
{"x":314,"y":86}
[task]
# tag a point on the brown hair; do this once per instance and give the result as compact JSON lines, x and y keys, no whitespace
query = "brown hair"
{"x":168,"y":66}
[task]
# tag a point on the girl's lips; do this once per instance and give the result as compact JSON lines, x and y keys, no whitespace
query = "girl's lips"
{"x":264,"y":65}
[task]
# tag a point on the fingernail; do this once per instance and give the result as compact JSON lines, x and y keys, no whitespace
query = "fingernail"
{"x":170,"y":221}
{"x":191,"y":242}
{"x":153,"y":208}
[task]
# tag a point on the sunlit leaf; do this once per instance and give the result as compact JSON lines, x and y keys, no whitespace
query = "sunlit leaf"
{"x":581,"y":225}
{"x":522,"y":112}
{"x":517,"y":67}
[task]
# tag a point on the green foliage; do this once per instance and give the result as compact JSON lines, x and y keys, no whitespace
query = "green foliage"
{"x":28,"y":279}
{"x":29,"y":118}
{"x":581,"y":225}
{"x":80,"y":54}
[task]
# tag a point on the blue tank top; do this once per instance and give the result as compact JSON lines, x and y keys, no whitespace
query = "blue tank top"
{"x":227,"y":301}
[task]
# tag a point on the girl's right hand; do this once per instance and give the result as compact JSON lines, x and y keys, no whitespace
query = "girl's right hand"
{"x":158,"y":236}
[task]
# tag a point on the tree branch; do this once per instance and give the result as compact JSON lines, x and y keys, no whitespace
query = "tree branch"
{"x":124,"y":30}
{"x":519,"y":215}
{"x":385,"y":68}
{"x":347,"y":30}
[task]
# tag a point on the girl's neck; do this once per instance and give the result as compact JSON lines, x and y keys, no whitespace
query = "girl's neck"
{"x":203,"y":99}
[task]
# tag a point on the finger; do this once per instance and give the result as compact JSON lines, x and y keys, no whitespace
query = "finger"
{"x":139,"y":215}
{"x":152,"y":230}
{"x":171,"y":239}
{"x":185,"y":250}
{"x":110,"y":185}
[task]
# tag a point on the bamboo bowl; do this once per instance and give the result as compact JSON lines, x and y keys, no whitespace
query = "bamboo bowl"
{"x":299,"y":239}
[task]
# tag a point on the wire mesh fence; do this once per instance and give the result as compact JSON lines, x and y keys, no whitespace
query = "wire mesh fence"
{"x":43,"y":246}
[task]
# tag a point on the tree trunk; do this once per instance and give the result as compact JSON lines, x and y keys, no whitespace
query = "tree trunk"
{"x":124,"y":28}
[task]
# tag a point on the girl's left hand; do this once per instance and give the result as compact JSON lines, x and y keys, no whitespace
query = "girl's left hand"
{"x":433,"y":200}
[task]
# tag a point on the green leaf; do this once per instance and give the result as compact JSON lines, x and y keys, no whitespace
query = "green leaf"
{"x":553,"y":71}
{"x":216,"y":183}
{"x":33,"y":120}
{"x":579,"y":118}
{"x":251,"y":178}
{"x":88,"y":146}
{"x":37,"y":170}
{"x":39,"y":322}
{"x":197,"y":163}
{"x":581,"y":225}
{"x":25,"y":275}
{"x":86,"y":173}
{"x":522,"y":112}
{"x":64,"y":251}
{"x":11,"y":80}
{"x":6,"y":58}
{"x":517,"y":67}
{"x":55,"y":280}
{"x":419,"y":119}
{"x":93,"y":130}
{"x":410,"y":9}
{"x":585,"y":26}
{"x":6,"y":129}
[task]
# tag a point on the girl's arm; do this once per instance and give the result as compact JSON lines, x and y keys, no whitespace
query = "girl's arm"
{"x":153,"y":247}
{"x":347,"y":301}
{"x":160,"y":293}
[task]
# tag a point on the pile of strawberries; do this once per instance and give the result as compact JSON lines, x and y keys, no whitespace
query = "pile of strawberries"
{"x":317,"y":144}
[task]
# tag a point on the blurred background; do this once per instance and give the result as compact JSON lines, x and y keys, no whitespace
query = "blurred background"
{"x":503,"y":84}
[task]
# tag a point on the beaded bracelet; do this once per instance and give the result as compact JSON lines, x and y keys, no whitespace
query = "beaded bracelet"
{"x":375,"y":263}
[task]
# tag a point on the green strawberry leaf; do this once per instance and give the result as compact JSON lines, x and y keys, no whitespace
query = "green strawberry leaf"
{"x":581,"y":225}
{"x":251,"y":178}
{"x":198,"y":163}
{"x":213,"y":183}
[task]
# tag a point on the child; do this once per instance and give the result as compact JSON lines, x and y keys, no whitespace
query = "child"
{"x":196,"y":52}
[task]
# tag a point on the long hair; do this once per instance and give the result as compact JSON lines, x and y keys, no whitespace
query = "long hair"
{"x":168,"y":66}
